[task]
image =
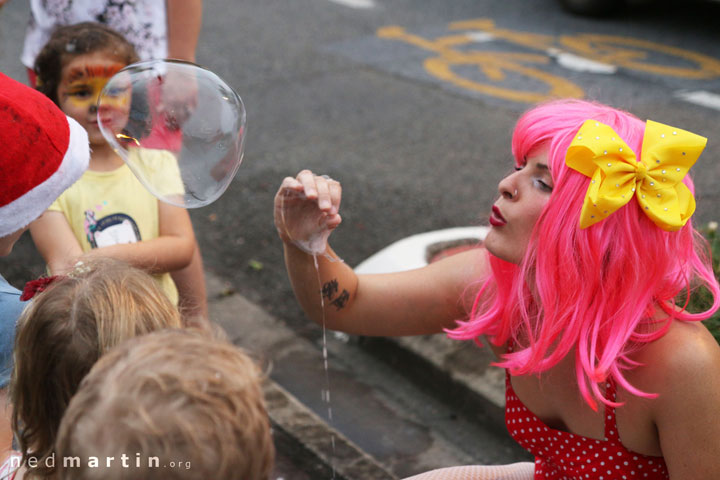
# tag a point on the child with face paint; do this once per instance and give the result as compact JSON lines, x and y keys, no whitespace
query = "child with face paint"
{"x":108,"y":213}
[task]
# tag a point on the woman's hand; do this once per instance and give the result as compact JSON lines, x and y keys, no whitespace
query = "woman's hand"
{"x":306,"y":211}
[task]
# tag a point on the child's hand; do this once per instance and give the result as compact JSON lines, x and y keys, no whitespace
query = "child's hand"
{"x":306,"y":211}
{"x":178,"y":98}
{"x":56,"y":242}
{"x":68,"y":266}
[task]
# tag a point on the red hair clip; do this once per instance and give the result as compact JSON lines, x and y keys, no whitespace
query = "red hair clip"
{"x":34,"y":287}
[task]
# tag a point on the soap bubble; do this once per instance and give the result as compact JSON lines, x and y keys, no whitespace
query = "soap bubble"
{"x":179,"y":127}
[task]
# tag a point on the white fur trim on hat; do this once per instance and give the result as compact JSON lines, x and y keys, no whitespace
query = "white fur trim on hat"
{"x":22,"y":211}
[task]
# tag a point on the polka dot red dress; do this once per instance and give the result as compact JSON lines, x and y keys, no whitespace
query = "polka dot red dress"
{"x":562,"y":455}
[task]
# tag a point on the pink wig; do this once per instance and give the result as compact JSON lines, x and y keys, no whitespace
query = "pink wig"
{"x":595,"y":289}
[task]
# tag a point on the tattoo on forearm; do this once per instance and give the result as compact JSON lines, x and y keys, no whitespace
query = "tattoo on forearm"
{"x":342,"y":300}
{"x":330,"y":289}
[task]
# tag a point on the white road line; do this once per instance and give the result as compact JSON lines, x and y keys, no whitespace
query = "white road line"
{"x":564,"y":59}
{"x":701,"y":97}
{"x":580,"y":64}
{"x":355,"y":3}
{"x":480,"y":37}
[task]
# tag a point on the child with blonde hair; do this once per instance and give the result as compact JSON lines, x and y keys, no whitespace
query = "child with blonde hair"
{"x":180,"y":406}
{"x":60,"y":336}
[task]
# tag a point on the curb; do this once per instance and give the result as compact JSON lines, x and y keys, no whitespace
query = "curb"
{"x":459,"y":371}
{"x":310,"y":433}
{"x":264,"y":337}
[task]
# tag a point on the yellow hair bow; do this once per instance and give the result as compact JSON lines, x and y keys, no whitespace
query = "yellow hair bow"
{"x":598,"y":152}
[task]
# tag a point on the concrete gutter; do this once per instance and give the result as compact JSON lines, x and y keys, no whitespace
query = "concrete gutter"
{"x":265,"y":337}
{"x":459,"y":373}
{"x":448,"y":365}
{"x":311,"y":434}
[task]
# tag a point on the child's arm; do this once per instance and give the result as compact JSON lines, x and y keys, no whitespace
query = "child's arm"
{"x":184,"y":21}
{"x":170,"y":251}
{"x":55,"y":241}
{"x":190,"y":283}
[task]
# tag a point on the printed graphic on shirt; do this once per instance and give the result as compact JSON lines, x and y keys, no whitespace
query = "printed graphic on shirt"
{"x":141,"y":22}
{"x":110,"y":230}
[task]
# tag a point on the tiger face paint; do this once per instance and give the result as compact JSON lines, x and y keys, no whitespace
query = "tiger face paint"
{"x":82,"y":80}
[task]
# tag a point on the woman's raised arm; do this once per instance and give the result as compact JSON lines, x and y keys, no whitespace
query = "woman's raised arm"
{"x":414,"y":302}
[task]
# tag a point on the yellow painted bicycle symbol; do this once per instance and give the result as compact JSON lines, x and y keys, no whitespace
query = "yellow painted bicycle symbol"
{"x":600,"y":53}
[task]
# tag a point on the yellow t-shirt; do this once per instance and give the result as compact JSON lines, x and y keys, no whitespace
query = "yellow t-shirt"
{"x":158,"y":168}
{"x":109,"y":208}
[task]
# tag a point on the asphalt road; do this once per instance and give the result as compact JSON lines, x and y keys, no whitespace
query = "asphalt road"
{"x":325,"y":90}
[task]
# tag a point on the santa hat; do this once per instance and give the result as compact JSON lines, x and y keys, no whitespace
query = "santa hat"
{"x":42,"y":153}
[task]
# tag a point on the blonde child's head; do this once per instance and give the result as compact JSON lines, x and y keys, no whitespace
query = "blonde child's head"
{"x":178,"y":399}
{"x":61,"y":335}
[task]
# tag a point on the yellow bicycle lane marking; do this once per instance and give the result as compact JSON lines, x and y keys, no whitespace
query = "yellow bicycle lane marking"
{"x":491,"y":64}
{"x":608,"y":50}
{"x":593,"y":45}
{"x":627,"y":52}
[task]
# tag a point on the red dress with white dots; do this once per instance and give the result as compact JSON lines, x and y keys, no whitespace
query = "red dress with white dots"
{"x":563,"y":455}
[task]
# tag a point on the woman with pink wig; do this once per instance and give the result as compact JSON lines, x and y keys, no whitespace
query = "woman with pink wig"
{"x":581,"y":290}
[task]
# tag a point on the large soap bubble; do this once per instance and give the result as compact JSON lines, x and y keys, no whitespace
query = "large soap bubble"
{"x":178,"y":126}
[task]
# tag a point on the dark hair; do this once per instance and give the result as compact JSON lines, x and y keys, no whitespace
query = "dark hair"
{"x":70,"y":41}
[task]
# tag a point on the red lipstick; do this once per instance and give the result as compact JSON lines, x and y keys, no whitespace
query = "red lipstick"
{"x":496,"y":218}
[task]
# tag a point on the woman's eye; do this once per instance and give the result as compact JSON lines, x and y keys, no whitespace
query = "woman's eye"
{"x":542,"y":185}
